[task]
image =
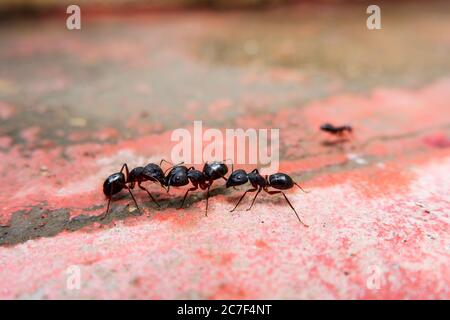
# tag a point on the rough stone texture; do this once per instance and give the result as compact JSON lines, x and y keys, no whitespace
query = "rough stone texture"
{"x":75,"y":105}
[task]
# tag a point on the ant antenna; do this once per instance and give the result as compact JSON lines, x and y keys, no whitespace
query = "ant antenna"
{"x":172,"y":166}
{"x":301,"y":188}
{"x":164,"y":160}
{"x":232,"y":164}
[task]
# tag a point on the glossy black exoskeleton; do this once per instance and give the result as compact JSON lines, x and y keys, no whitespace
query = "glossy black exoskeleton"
{"x":151,"y":172}
{"x":181,"y":175}
{"x":176,"y":177}
{"x":116,"y":183}
{"x":280,"y":181}
{"x":213,"y":171}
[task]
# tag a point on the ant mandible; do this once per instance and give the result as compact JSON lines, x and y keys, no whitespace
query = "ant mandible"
{"x":280,"y":181}
{"x":336,"y":130}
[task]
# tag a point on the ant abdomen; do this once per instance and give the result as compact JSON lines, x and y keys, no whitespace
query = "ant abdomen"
{"x":281,"y":181}
{"x":114,"y":184}
{"x":215,"y":170}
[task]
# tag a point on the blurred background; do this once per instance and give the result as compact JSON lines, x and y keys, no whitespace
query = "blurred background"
{"x":137,"y":66}
{"x":76,"y":104}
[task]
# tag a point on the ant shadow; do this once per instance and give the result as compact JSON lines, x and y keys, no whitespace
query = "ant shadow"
{"x":334,"y":143}
{"x":245,"y":204}
{"x":166,"y":203}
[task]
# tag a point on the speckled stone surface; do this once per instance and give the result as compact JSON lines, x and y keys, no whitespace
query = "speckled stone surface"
{"x":75,"y":105}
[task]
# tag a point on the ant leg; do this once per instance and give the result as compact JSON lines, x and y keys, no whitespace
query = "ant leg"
{"x":150,"y":195}
{"x":103,"y":216}
{"x":126,"y":169}
{"x":242,"y":197}
{"x":254,"y":199}
{"x":207,"y":200}
{"x":301,"y":188}
{"x":172,"y":165}
{"x":185,"y":195}
{"x":224,"y":178}
{"x":107,"y":208}
{"x":275,"y":192}
{"x":132,"y":196}
{"x":164,"y":160}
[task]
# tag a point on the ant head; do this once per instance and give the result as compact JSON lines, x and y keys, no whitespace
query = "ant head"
{"x":114,"y":184}
{"x":177,"y":177}
{"x":237,"y":178}
{"x":215,"y":170}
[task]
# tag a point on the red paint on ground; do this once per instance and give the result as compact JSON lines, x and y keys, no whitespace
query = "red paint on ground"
{"x":379,"y":199}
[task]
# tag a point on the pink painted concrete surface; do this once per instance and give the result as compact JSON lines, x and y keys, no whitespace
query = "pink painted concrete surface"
{"x":74,"y":107}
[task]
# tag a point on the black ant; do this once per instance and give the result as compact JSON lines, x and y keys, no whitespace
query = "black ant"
{"x":280,"y":181}
{"x":118,"y":181}
{"x":214,"y":171}
{"x":151,"y":172}
{"x":114,"y":184}
{"x":181,"y":175}
{"x":336,"y":130}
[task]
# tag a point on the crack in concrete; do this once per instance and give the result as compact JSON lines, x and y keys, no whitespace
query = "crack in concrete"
{"x":39,"y":222}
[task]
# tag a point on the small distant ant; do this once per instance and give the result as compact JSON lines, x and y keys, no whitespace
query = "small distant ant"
{"x":118,"y":181}
{"x":280,"y":181}
{"x":336,"y":130}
